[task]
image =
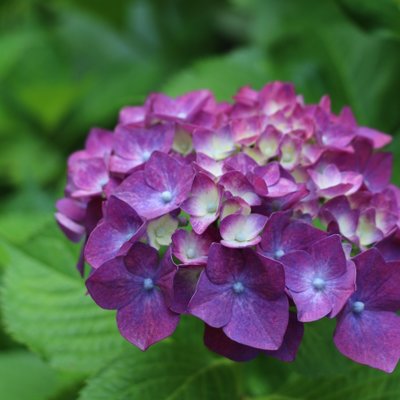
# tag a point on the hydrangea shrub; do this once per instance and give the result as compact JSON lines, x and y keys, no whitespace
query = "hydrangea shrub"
{"x":256,"y":216}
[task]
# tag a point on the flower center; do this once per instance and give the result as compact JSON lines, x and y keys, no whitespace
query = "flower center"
{"x":238,"y":287}
{"x":319,"y":284}
{"x":166,"y":196}
{"x":211,"y":208}
{"x":146,"y":155}
{"x":148,"y":284}
{"x":240,"y":237}
{"x":279,"y":253}
{"x":358,"y":307}
{"x":190,"y":253}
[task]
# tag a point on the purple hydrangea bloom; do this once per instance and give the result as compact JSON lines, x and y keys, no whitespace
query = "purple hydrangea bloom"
{"x":321,"y":280}
{"x":256,"y":203}
{"x":139,"y":286}
{"x":368,"y":328}
{"x":161,"y":187}
{"x":244,"y":295}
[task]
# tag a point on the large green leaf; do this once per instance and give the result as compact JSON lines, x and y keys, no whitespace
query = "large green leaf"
{"x":169,"y":371}
{"x":45,"y":306}
{"x":359,"y":383}
{"x":317,"y":354}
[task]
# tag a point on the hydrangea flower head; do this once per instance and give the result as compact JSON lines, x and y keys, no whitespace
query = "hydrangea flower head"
{"x":231,"y":212}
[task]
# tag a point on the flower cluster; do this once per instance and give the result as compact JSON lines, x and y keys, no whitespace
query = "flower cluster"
{"x":255,"y":217}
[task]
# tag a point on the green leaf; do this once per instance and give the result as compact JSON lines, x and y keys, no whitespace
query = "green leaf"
{"x":25,"y":377}
{"x":318,"y":355}
{"x":45,"y":306}
{"x":357,"y":383}
{"x":18,"y":227}
{"x":223,"y":75}
{"x":19,"y":160}
{"x":169,"y":371}
{"x":12,"y":47}
{"x":373,"y":15}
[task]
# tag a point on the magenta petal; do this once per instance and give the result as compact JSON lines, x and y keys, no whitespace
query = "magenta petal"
{"x":191,"y":248}
{"x":71,"y":229}
{"x":181,"y":108}
{"x":371,"y":338}
{"x":215,"y":144}
{"x":237,"y":185}
{"x":216,"y":340}
{"x":379,"y":139}
{"x":89,"y":176}
{"x":240,"y":231}
{"x":147,"y":320}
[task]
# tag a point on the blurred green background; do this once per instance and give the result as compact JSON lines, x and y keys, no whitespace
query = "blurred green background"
{"x":66,"y":66}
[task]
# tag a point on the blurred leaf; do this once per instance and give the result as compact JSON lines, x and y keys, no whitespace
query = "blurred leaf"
{"x":371,"y":14}
{"x":167,"y":371}
{"x":17,"y":228}
{"x":12,"y":47}
{"x":25,"y":158}
{"x":223,"y":75}
{"x":318,"y":355}
{"x":45,"y":306}
{"x":25,"y":377}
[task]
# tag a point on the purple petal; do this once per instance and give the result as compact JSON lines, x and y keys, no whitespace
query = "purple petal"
{"x":371,"y":338}
{"x":291,"y":341}
{"x":182,"y":108}
{"x":258,"y":322}
{"x":184,"y":287}
{"x":147,"y":319}
{"x":237,"y":185}
{"x":390,"y":247}
{"x":283,"y":235}
{"x":112,"y":286}
{"x":242,"y":230}
{"x":217,"y":145}
{"x":72,"y":230}
{"x":137,"y":144}
{"x":378,"y":282}
{"x":191,"y":248}
{"x":211,"y":302}
{"x":216,"y":340}
{"x":379,"y":139}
